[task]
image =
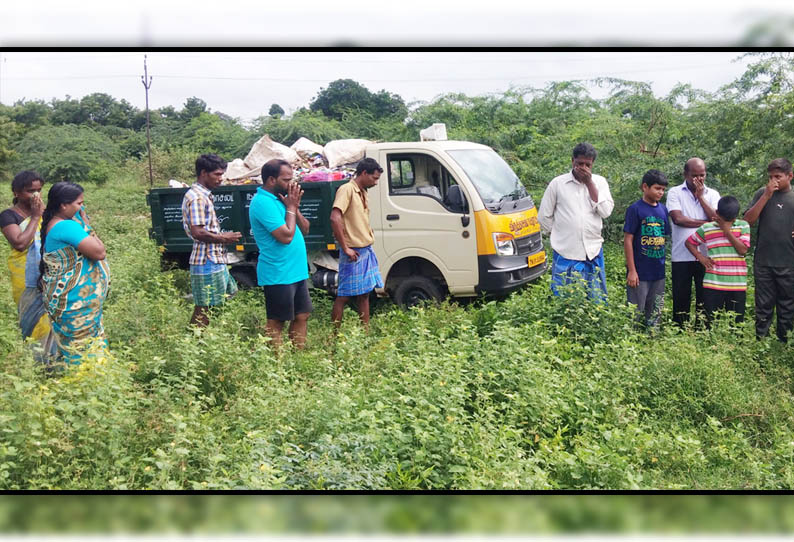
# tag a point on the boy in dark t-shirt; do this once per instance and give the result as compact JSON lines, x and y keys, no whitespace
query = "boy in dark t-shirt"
{"x":646,"y":225}
{"x":773,"y":264}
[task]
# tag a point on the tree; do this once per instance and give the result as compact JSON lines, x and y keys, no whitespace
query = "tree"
{"x":771,"y":31}
{"x":385,"y":104}
{"x":131,"y":143}
{"x":340,"y":95}
{"x":104,"y":110}
{"x":8,"y":130}
{"x":303,"y":123}
{"x":166,"y":127}
{"x":651,"y":118}
{"x":67,"y":111}
{"x":167,"y":113}
{"x":344,"y":95}
{"x":208,"y":133}
{"x":750,"y":120}
{"x":30,"y":114}
{"x":138,"y":120}
{"x":66,"y":152}
{"x":193,"y":108}
{"x":276,"y":111}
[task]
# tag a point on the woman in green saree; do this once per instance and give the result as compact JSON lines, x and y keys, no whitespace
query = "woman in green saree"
{"x":75,"y":276}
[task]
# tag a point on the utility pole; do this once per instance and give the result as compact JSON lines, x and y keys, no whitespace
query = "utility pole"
{"x":147,"y":85}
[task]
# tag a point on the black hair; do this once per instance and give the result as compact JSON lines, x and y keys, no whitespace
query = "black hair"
{"x":654,"y":176}
{"x":209,"y":163}
{"x":61,"y":192}
{"x":779,"y":164}
{"x":22,"y":180}
{"x":728,"y":208}
{"x":272,"y":168}
{"x":368,"y":165}
{"x":586,"y":150}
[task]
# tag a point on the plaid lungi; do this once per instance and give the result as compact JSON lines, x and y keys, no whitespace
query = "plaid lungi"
{"x":210,"y":289}
{"x":359,"y":277}
{"x":588,"y":272}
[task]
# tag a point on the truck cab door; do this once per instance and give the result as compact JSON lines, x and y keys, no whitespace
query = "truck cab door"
{"x":420,"y":218}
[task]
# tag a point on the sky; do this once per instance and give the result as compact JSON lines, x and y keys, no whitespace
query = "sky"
{"x":245,"y":84}
{"x":319,"y":22}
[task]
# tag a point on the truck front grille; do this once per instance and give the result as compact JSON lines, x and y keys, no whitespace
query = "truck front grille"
{"x":529,"y":244}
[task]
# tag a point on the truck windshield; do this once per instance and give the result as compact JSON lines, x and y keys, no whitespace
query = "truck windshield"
{"x":495,"y":181}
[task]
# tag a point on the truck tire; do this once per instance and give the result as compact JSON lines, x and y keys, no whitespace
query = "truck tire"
{"x":245,"y":275}
{"x":414,"y":291}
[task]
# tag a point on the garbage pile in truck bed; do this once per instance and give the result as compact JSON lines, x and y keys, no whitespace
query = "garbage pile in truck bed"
{"x":310,"y":162}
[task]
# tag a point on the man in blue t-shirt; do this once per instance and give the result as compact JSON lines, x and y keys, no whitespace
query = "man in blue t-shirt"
{"x":282,"y":269}
{"x":646,"y":225}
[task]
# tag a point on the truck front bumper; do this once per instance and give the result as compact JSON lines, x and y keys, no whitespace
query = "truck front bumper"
{"x":503,"y":274}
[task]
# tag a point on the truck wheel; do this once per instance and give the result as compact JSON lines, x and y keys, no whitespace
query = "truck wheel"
{"x":245,"y":275}
{"x":414,"y":291}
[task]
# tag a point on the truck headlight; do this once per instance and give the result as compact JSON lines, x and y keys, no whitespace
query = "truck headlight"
{"x":504,"y":244}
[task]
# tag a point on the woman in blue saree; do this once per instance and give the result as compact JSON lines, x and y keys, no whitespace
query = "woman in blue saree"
{"x":74,"y":275}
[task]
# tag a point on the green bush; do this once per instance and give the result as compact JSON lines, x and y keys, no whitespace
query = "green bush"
{"x":526,"y":392}
{"x":303,"y":123}
{"x":66,"y":152}
{"x":173,"y":163}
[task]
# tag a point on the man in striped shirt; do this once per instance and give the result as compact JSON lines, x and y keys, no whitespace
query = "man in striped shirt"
{"x":727,"y":241}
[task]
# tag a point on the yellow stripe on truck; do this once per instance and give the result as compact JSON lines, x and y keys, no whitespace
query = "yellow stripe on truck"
{"x":518,"y":225}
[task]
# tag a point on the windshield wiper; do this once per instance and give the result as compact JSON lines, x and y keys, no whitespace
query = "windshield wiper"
{"x":514,"y":195}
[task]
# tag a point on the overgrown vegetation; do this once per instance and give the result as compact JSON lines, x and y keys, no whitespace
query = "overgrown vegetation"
{"x":404,"y":514}
{"x":528,"y":392}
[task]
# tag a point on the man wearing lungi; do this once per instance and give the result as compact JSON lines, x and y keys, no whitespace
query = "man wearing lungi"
{"x":358,"y":266}
{"x":210,"y":280}
{"x":572,"y":209}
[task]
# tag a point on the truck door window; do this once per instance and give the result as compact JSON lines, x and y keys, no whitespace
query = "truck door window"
{"x":401,"y":175}
{"x":419,"y":174}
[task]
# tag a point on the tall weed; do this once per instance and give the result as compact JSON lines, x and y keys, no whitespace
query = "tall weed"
{"x":526,"y":392}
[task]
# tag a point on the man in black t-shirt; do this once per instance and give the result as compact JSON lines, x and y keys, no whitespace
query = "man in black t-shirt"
{"x":773,"y":265}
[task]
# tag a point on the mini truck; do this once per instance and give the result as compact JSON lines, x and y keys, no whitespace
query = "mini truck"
{"x":449,"y":217}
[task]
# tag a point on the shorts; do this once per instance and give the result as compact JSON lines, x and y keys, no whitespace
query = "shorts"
{"x":284,"y":301}
{"x":211,"y":289}
{"x":648,"y":297}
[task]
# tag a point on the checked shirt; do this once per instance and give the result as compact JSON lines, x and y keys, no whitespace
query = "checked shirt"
{"x":198,"y":210}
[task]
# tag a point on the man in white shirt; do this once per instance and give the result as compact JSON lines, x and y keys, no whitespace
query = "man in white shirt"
{"x":690,"y":204}
{"x":572,"y":210}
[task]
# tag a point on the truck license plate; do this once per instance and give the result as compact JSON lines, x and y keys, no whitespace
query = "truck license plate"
{"x":536,"y":259}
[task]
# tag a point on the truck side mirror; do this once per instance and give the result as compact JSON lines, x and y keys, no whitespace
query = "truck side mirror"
{"x":455,"y":200}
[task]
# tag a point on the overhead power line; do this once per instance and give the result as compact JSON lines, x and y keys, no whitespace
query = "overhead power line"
{"x":566,"y":76}
{"x":70,"y":77}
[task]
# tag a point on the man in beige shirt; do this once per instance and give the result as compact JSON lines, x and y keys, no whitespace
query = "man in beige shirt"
{"x":358,"y":266}
{"x":572,"y":211}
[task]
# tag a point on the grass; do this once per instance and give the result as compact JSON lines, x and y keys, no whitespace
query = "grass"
{"x":528,"y":392}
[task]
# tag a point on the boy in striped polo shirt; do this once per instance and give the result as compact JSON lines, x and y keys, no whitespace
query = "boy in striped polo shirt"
{"x":727,"y":241}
